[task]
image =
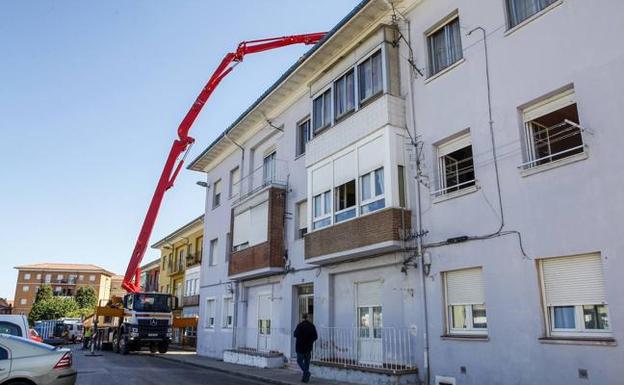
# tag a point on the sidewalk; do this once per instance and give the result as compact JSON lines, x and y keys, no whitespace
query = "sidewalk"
{"x":284,"y":376}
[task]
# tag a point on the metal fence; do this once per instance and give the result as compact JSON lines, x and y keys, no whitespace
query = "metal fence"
{"x":271,"y":173}
{"x":382,"y":348}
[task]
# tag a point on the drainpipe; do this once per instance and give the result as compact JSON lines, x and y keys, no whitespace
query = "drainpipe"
{"x":419,"y":224}
{"x":235,"y":315}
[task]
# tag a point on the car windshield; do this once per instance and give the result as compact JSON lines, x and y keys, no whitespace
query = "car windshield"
{"x":152,"y":302}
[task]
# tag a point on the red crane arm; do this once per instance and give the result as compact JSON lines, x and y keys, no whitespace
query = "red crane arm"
{"x":170,"y":171}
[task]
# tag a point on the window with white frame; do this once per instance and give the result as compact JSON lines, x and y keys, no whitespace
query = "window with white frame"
{"x":370,"y":76}
{"x":575,"y":302}
{"x":304,"y":134}
{"x":345,"y":201}
{"x":212,"y":252}
{"x":228,"y":313}
{"x":552,"y":129}
{"x":23,"y":301}
{"x":25,"y":288}
{"x":92,"y":278}
{"x":38,"y":276}
{"x":455,"y":165}
{"x":59,"y":277}
{"x":48,"y":278}
{"x":210,"y":313}
{"x":216,"y":194}
{"x":520,"y":10}
{"x":344,"y":94}
{"x":235,"y":182}
{"x":321,"y":206}
{"x":444,"y":45}
{"x":465,"y":301}
{"x":302,"y":219}
{"x":321,"y":111}
{"x":372,"y":191}
{"x":81,"y":277}
{"x":26,"y":276}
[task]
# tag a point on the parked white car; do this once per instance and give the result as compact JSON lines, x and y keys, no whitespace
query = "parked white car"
{"x":14,"y":324}
{"x":25,"y":362}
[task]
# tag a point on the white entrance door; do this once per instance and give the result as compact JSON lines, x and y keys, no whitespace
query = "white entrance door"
{"x":370,"y":323}
{"x":264,"y":322}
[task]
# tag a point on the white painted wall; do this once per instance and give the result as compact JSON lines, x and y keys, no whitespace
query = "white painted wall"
{"x":571,"y":209}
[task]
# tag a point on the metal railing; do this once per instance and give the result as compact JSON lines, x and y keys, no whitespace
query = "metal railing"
{"x":380,"y":348}
{"x":262,"y":340}
{"x":546,"y":140}
{"x":273,"y":173}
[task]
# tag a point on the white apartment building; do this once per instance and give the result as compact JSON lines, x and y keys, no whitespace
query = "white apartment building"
{"x":399,"y":147}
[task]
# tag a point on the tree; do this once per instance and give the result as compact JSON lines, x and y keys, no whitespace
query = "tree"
{"x":44,"y":293}
{"x":86,"y":297}
{"x":52,"y":308}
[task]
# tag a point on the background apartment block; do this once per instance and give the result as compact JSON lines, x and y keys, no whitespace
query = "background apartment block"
{"x":64,"y":278}
{"x":402,"y":179}
{"x":181,"y":250}
{"x":6,"y":306}
{"x":150,"y":276}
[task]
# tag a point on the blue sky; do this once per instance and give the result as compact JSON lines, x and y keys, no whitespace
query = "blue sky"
{"x":91,"y":96}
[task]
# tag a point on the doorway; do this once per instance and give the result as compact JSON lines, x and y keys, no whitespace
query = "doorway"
{"x":264,"y":322}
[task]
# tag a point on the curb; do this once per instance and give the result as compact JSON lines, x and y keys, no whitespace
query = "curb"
{"x":226,"y":371}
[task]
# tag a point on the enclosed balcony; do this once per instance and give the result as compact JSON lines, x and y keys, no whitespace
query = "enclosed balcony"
{"x":257,"y":230}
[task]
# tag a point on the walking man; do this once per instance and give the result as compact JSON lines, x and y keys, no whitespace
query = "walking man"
{"x":305,"y":335}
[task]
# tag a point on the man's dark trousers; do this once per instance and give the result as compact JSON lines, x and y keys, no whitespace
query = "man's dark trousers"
{"x":303,"y":360}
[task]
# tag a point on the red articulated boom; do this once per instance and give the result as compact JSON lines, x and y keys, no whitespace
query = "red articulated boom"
{"x":182,"y":144}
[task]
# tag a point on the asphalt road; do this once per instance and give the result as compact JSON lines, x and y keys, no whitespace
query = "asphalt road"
{"x":141,"y":369}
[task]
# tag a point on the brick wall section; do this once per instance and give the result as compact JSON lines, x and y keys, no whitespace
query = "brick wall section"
{"x":267,"y":254}
{"x":367,"y":230}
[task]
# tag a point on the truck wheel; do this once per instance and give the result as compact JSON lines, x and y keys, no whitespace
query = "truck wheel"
{"x":116,"y":343}
{"x":153,"y":349}
{"x":124,"y":348}
{"x":163,"y":347}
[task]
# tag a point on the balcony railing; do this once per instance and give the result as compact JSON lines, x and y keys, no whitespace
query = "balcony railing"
{"x":380,"y":348}
{"x":272,"y":173}
{"x":262,"y":340}
{"x":190,"y":300}
{"x":193,"y":259}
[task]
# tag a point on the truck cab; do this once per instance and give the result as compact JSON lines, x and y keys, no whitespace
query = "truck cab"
{"x":147,"y":322}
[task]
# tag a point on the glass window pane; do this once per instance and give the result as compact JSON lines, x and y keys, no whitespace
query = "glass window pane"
{"x":458,"y":317}
{"x":595,"y":317}
{"x":326,"y":107}
{"x":479,"y":317}
{"x":377,"y":75}
{"x":350,"y":91}
{"x":317,"y":112}
{"x":317,"y":206}
{"x":366,"y":187}
{"x":401,"y":172}
{"x":327,"y":206}
{"x":376,"y":205}
{"x":564,"y":317}
{"x":377,"y":321}
{"x":364,"y":321}
{"x":379,"y":182}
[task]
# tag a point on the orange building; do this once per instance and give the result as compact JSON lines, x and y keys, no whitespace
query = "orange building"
{"x":64,"y":278}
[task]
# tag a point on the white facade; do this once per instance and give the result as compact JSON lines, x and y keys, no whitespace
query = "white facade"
{"x":498,"y":310}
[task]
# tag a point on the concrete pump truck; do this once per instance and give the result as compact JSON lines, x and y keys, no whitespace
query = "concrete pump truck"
{"x":145,"y":319}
